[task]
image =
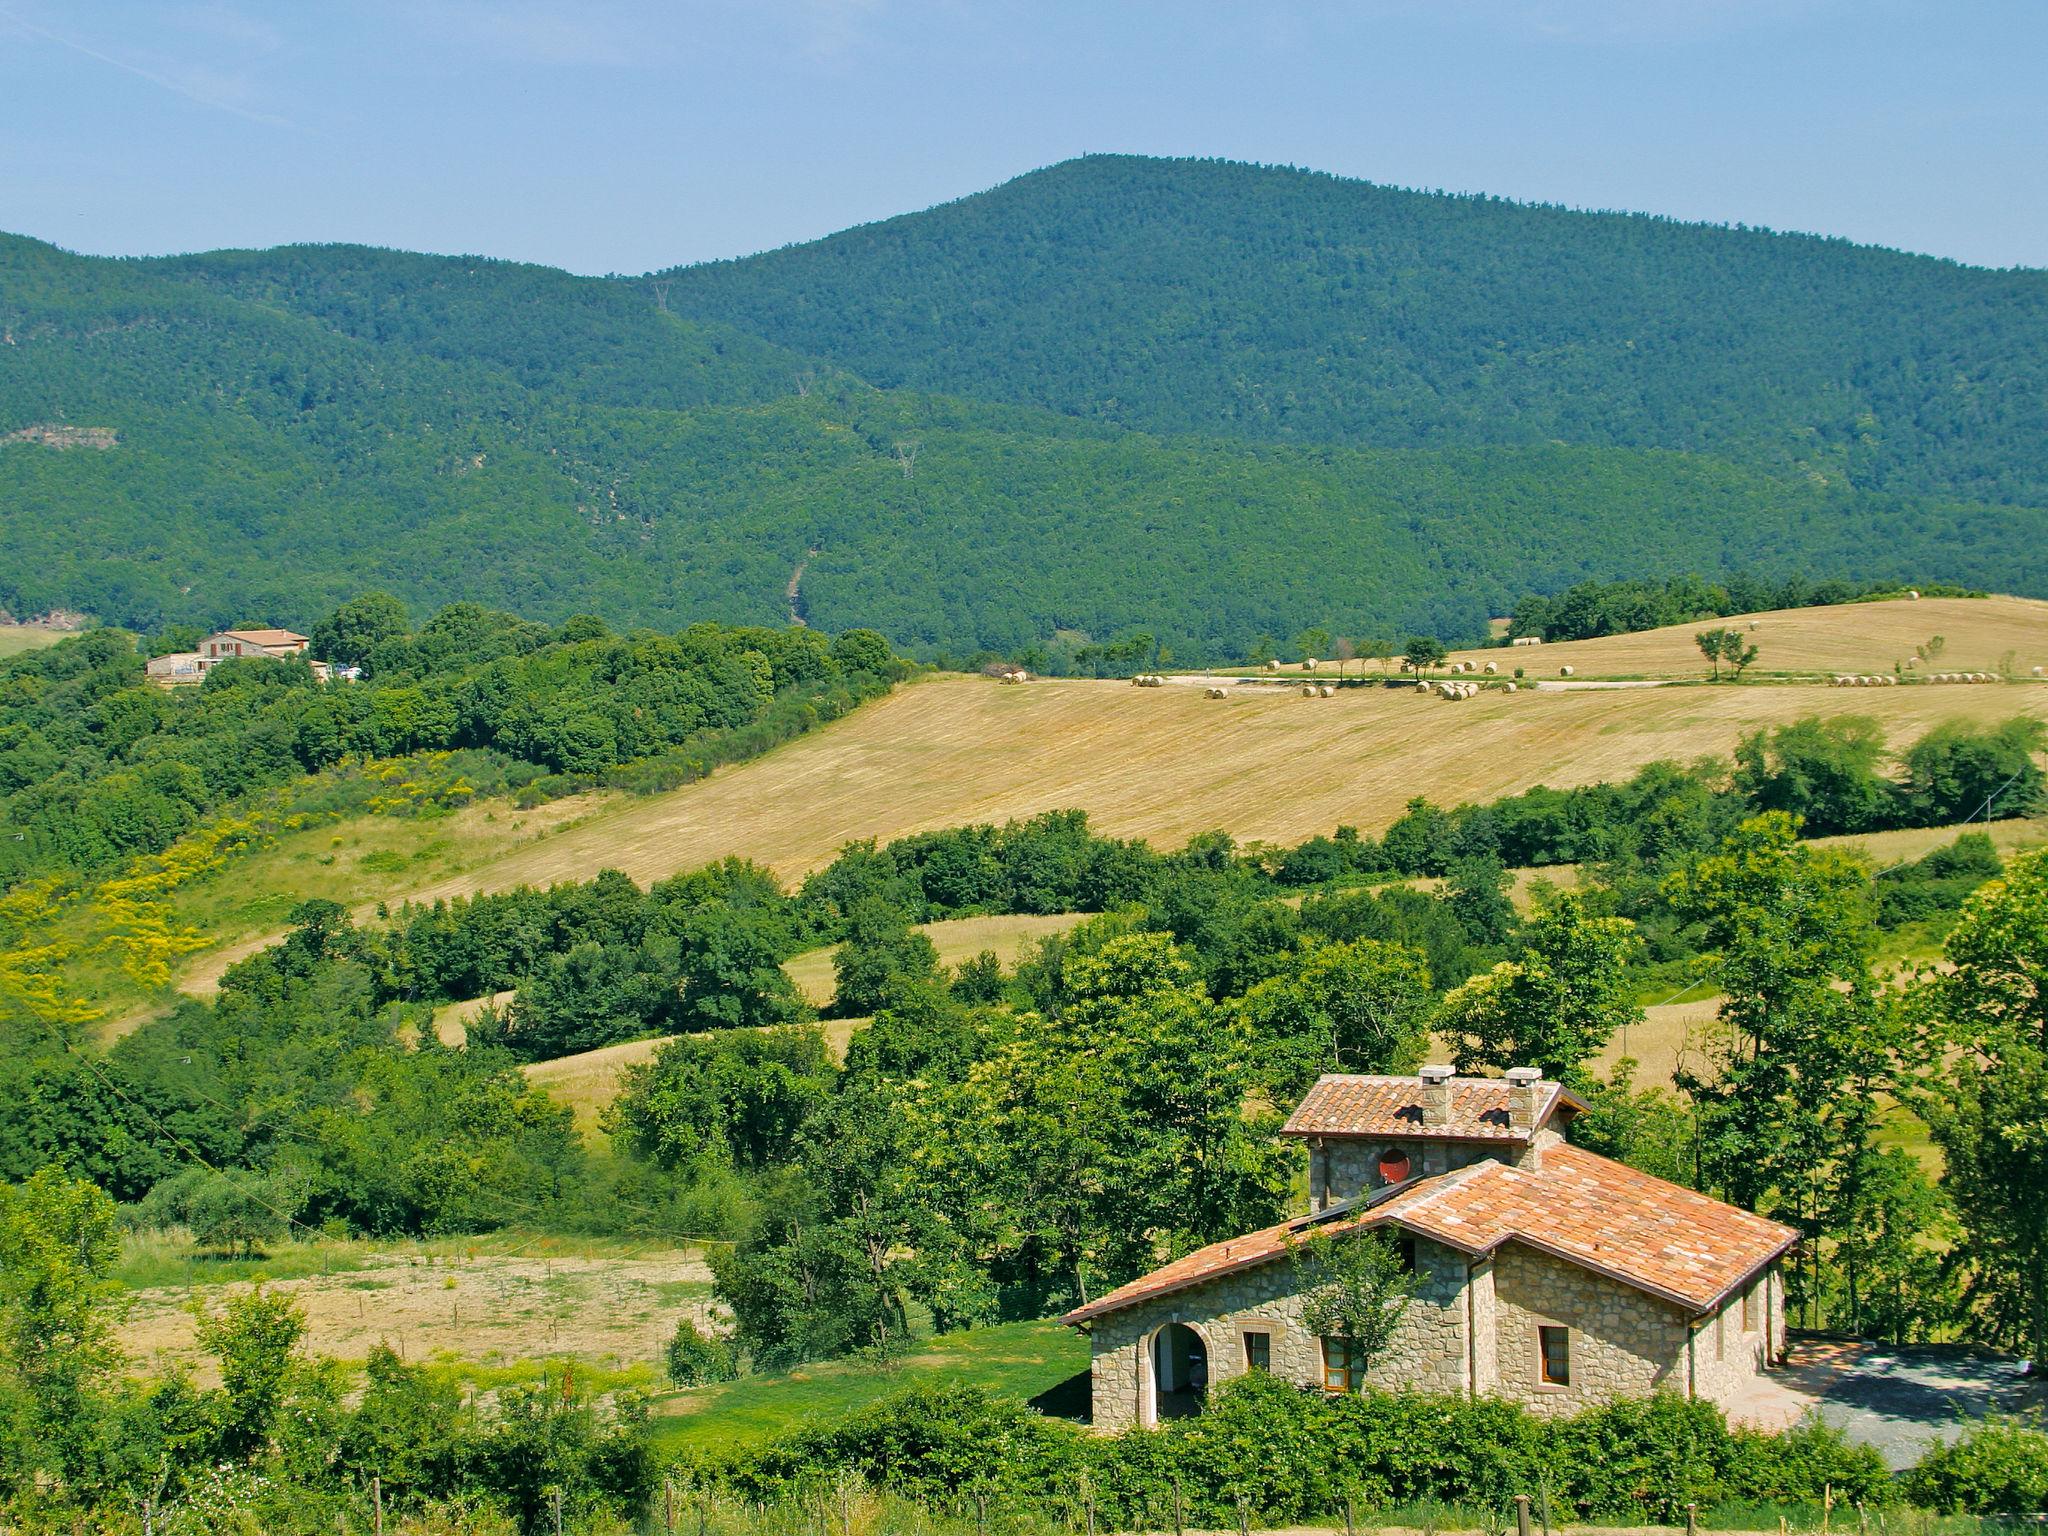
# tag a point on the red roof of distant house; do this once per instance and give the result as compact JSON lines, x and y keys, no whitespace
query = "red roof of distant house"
{"x":267,"y":636}
{"x":1673,"y":1242}
{"x":1343,"y":1104}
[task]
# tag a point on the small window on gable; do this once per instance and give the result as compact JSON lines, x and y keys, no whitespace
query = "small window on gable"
{"x":1410,"y":1263}
{"x":1258,"y":1351}
{"x":1554,"y":1356}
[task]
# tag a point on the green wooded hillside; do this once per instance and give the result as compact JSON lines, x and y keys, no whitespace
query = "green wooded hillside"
{"x":1202,"y":296}
{"x":1463,"y":402}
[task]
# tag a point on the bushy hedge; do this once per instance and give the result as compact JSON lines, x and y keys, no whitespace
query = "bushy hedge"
{"x":1295,"y":1456}
{"x":1999,"y":1467}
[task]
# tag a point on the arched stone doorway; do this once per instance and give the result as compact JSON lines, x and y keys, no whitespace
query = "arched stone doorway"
{"x":1180,"y":1372}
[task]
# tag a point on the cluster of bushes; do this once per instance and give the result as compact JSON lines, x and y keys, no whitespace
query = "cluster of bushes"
{"x":1278,"y":1456}
{"x":1827,"y":772}
{"x":1592,"y":608}
{"x":97,"y":766}
{"x":283,"y":1444}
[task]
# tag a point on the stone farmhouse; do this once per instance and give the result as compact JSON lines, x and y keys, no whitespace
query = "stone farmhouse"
{"x":1542,"y":1273}
{"x":226,"y":645}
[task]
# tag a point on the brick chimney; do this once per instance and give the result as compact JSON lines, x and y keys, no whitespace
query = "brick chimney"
{"x":1436,"y":1097}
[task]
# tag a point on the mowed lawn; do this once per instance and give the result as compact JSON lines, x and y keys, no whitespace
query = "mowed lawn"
{"x":1018,"y":1360}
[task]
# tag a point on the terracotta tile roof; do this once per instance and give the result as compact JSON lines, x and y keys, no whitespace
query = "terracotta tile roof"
{"x":1673,"y":1242}
{"x":1603,"y":1215}
{"x":1346,"y":1105}
{"x":1223,"y":1258}
{"x":266,"y":636}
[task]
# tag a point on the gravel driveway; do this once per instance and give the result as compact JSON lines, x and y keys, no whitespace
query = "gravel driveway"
{"x":1902,"y":1398}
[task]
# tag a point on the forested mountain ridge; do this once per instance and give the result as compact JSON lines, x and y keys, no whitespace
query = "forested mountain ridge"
{"x":295,"y":426}
{"x":1211,"y":297}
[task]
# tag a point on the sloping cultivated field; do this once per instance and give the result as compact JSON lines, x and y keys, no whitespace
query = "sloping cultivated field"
{"x":1263,"y":763}
{"x":1978,"y":635}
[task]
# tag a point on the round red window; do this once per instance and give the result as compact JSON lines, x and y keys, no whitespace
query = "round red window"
{"x":1393,"y":1166}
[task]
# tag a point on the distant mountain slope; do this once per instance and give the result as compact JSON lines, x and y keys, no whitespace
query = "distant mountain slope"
{"x":288,"y":428}
{"x":595,"y":342}
{"x":1215,"y":298}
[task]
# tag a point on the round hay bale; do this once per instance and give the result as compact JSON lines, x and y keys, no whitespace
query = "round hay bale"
{"x":1308,"y":690}
{"x":1328,"y":692}
{"x":2041,"y":671}
{"x":1913,"y":597}
{"x":1215,"y":693}
{"x":1564,"y":672}
{"x":1491,"y":668}
{"x":1308,"y":663}
{"x":1508,"y":687}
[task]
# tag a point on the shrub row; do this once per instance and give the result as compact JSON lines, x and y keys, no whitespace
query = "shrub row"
{"x":1294,"y":1457}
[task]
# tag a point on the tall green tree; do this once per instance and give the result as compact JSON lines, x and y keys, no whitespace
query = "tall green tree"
{"x":1982,"y":1024}
{"x":1556,"y":1004}
{"x":1788,"y":1106}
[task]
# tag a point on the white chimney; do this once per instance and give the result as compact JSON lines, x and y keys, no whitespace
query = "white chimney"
{"x":1436,"y":1096}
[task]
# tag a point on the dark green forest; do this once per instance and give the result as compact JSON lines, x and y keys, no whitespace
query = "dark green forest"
{"x":1201,"y":401}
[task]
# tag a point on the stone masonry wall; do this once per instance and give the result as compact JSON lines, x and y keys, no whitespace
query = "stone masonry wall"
{"x":1429,"y":1350}
{"x":1624,"y":1342}
{"x":1727,"y":1356}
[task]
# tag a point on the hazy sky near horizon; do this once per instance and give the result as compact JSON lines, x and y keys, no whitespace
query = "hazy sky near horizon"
{"x":624,"y":135}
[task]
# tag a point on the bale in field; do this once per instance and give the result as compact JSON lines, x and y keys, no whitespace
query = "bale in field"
{"x":2041,"y":671}
{"x":1508,"y":687}
{"x":1913,"y":597}
{"x":1272,"y":666}
{"x":1328,"y":692}
{"x":1564,"y":671}
{"x":1308,"y":690}
{"x":1491,"y":668}
{"x":1215,"y":693}
{"x":1308,"y":663}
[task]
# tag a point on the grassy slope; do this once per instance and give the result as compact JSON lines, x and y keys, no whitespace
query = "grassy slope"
{"x":1161,"y":764}
{"x":16,"y":638}
{"x":1860,"y":638}
{"x":1016,"y":1359}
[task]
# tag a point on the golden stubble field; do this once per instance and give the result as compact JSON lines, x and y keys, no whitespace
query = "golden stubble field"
{"x":1978,"y":635}
{"x":1166,"y":763}
{"x":1263,"y":764}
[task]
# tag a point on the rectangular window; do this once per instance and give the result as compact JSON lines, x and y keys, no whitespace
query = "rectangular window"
{"x":1406,"y":1249}
{"x":1343,"y":1367}
{"x":1258,"y":1351}
{"x":1749,"y":1308}
{"x":1554,"y":1356}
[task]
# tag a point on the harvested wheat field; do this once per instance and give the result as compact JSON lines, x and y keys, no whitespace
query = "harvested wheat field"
{"x":480,"y":1307}
{"x":1979,"y":634}
{"x":1167,"y":763}
{"x":956,"y":939}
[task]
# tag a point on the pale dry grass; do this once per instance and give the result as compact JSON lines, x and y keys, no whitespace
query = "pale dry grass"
{"x":955,"y":938}
{"x":16,"y":638}
{"x":1167,"y":763}
{"x":485,"y":1307}
{"x":1854,"y":637}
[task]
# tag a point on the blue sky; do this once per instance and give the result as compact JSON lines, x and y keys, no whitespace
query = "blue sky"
{"x":620,"y":135}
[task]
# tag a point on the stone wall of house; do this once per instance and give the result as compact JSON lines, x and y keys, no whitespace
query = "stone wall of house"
{"x":1733,"y":1347}
{"x":1624,"y":1342}
{"x":1429,"y":1350}
{"x":1343,"y":1169}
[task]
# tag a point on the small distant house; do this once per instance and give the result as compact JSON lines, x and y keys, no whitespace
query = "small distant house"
{"x":231,"y":643}
{"x":237,"y":644}
{"x":1541,"y":1273}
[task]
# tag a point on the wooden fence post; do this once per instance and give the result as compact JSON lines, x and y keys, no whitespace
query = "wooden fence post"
{"x":1244,"y":1516}
{"x":1179,"y":1512}
{"x":377,"y":1502}
{"x":1521,"y":1514}
{"x":1692,"y":1520}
